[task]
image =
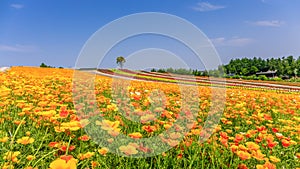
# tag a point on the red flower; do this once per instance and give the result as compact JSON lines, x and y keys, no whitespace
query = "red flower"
{"x":242,"y":166}
{"x":267,"y":117}
{"x":262,"y":128}
{"x":64,"y":148}
{"x":275,"y":130}
{"x":84,"y":138}
{"x":272,"y":144}
{"x":180,"y":155}
{"x":66,"y":157}
{"x":238,"y":138}
{"x":149,"y":129}
{"x":53,"y":144}
{"x":64,"y":113}
{"x":285,"y":143}
{"x":223,"y":135}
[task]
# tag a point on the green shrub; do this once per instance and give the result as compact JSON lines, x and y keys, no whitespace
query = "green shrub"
{"x":262,"y":77}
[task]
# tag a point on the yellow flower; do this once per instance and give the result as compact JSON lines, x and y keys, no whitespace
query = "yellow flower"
{"x":25,"y":140}
{"x":258,"y":155}
{"x":128,"y":150}
{"x":103,"y":151}
{"x":243,"y":155}
{"x":72,"y":126}
{"x":274,"y":159}
{"x":86,"y":155}
{"x":135,"y":135}
{"x":49,"y":113}
{"x":63,"y":164}
{"x":30,"y":157}
{"x":252,"y":146}
{"x":30,"y":167}
{"x":12,"y":156}
{"x":108,"y":125}
{"x":8,"y":166}
{"x":28,"y":133}
{"x":4,"y":139}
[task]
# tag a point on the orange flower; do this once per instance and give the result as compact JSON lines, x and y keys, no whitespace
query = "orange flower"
{"x":128,"y":150}
{"x":63,"y":113}
{"x":267,"y":165}
{"x":63,"y":164}
{"x":179,"y":156}
{"x":12,"y":156}
{"x":110,"y":126}
{"x":223,"y":141}
{"x":298,"y":155}
{"x":238,"y":138}
{"x":267,"y":117}
{"x":86,"y":155}
{"x":243,"y":155}
{"x":149,"y":129}
{"x":25,"y":140}
{"x":144,"y":149}
{"x":272,"y":144}
{"x":285,"y":143}
{"x":251,"y":133}
{"x":53,"y":144}
{"x":73,"y":125}
{"x":261,"y":128}
{"x":17,"y":122}
{"x":223,"y":135}
{"x":167,"y":126}
{"x":243,"y":148}
{"x":135,"y":135}
{"x":30,"y":157}
{"x":4,"y":139}
{"x":28,"y":167}
{"x":252,"y":146}
{"x":27,"y":133}
{"x":270,"y":138}
{"x":84,"y":138}
{"x":8,"y":165}
{"x":94,"y":164}
{"x":274,"y":159}
{"x":196,"y":131}
{"x":66,"y":157}
{"x":258,"y":155}
{"x":234,"y":148}
{"x":242,"y":166}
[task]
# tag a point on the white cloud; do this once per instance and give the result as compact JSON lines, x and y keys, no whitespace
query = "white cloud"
{"x":205,"y":6}
{"x":272,"y":23}
{"x":234,"y":41}
{"x":17,"y":48}
{"x":17,"y":6}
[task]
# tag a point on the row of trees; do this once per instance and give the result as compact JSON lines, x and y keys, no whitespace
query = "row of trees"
{"x":48,"y":66}
{"x":247,"y":67}
{"x":285,"y":66}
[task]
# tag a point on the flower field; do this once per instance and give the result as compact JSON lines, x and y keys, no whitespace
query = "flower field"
{"x":47,"y":121}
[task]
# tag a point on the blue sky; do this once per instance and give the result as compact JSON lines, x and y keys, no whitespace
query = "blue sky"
{"x":54,"y":31}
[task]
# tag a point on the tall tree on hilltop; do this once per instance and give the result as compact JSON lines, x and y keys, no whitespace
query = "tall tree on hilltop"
{"x":120,"y":61}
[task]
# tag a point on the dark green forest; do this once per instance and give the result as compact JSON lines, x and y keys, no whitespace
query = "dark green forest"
{"x":248,"y":68}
